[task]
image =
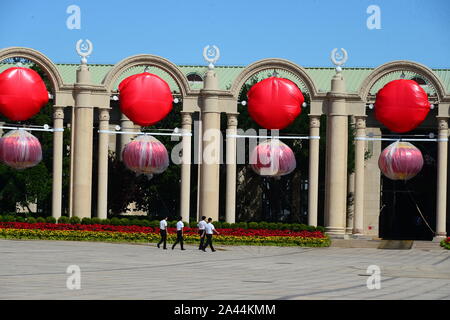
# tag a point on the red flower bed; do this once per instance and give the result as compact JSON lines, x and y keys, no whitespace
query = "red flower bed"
{"x":129,"y":229}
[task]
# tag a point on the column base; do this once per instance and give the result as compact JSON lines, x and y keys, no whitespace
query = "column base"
{"x":357,"y":232}
{"x":439,"y":238}
{"x":336,"y":232}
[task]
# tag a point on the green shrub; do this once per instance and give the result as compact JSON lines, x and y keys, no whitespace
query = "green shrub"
{"x":253,"y":225}
{"x":226,"y":225}
{"x":96,"y":220}
{"x":63,"y":219}
{"x":171,"y":224}
{"x":145,"y":223}
{"x":217,"y":224}
{"x":40,"y":220}
{"x":153,"y":223}
{"x":50,"y":220}
{"x":234,"y":226}
{"x":285,"y":226}
{"x":115,"y":221}
{"x":9,"y":218}
{"x":105,"y":221}
{"x":263,"y":225}
{"x":31,"y":220}
{"x":193,"y":224}
{"x":272,"y":226}
{"x":242,"y":225}
{"x":86,"y":220}
{"x":20,"y":219}
{"x":321,"y":229}
{"x":74,"y":220}
{"x":125,"y":222}
{"x":135,"y":222}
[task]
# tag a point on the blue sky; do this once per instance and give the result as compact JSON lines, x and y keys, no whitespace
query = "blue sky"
{"x":245,"y":30}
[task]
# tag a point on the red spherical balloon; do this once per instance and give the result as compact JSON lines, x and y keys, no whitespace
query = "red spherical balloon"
{"x":19,"y":149}
{"x":22,"y":93}
{"x":145,"y":98}
{"x":274,"y":103}
{"x":401,"y":105}
{"x":400,"y":161}
{"x":145,"y":155}
{"x":272,"y":158}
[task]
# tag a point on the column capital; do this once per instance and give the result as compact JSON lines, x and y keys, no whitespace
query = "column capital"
{"x":314,"y":121}
{"x":104,"y":114}
{"x":58,"y":112}
{"x":360,"y":122}
{"x":186,"y":118}
{"x":232,"y":119}
{"x":442,"y":123}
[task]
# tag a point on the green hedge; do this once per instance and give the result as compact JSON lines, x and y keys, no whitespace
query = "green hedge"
{"x":446,"y":243}
{"x":116,"y":221}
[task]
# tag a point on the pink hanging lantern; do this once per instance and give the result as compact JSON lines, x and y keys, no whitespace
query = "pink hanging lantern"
{"x":145,"y":155}
{"x":272,"y":158}
{"x":19,"y":149}
{"x":400,"y":161}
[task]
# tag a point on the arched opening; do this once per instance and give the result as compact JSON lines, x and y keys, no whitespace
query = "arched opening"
{"x":405,"y":209}
{"x":32,"y":191}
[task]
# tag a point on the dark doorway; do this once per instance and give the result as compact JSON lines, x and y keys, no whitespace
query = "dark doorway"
{"x":401,"y":201}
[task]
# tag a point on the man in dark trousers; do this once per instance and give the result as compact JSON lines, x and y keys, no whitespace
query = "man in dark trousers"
{"x":209,"y":230}
{"x":201,"y":232}
{"x":180,"y":226}
{"x":163,"y":232}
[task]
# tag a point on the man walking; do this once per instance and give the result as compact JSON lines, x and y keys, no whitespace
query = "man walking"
{"x":201,"y":231}
{"x":180,"y":226}
{"x":163,"y":232}
{"x":209,"y":230}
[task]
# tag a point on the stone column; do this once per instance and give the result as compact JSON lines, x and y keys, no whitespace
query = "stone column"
{"x":103,"y":140}
{"x":336,"y":161}
{"x":230,"y":213}
{"x":441,"y":199}
{"x":211,"y":138}
{"x":186,"y":125}
{"x":72,"y":146}
{"x":358,"y":225}
{"x":313,"y":187}
{"x":126,"y":125}
{"x":82,"y":165}
{"x":350,"y":203}
{"x":58,"y":124}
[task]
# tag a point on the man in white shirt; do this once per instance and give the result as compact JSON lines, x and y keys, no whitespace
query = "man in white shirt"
{"x":180,"y":226}
{"x":201,"y":232}
{"x":209,"y":230}
{"x":163,"y":232}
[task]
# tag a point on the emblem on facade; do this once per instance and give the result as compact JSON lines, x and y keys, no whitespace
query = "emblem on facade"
{"x":211,"y":54}
{"x":84,"y":49}
{"x":339,"y":58}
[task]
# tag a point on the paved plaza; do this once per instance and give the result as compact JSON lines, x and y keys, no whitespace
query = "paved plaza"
{"x":37,"y":270}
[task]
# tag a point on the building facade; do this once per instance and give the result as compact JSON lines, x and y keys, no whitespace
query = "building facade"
{"x":85,"y":96}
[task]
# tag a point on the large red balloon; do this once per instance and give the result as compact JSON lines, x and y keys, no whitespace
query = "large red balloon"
{"x":274,"y":103}
{"x":145,"y":98}
{"x":401,"y":105}
{"x":22,"y":93}
{"x":272,"y":158}
{"x":19,"y":149}
{"x":400,"y":161}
